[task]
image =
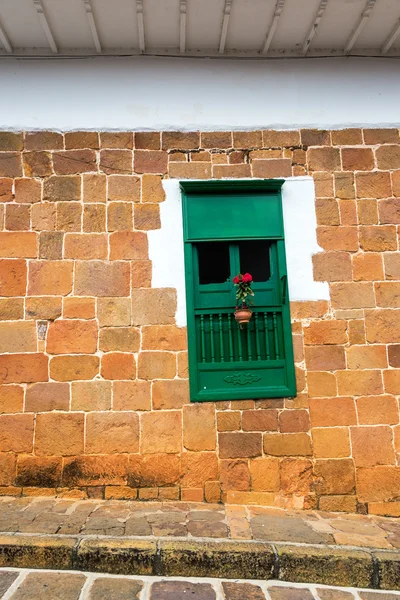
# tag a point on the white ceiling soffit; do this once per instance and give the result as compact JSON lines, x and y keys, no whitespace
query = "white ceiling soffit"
{"x":223,"y":28}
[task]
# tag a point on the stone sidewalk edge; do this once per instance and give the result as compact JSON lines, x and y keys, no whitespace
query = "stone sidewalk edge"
{"x":295,"y":563}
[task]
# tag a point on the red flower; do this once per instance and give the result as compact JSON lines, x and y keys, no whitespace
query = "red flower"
{"x":236,"y":280}
{"x":247,"y":278}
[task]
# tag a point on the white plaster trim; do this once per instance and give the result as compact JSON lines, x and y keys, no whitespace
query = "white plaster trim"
{"x":298,"y":200}
{"x":149,"y":93}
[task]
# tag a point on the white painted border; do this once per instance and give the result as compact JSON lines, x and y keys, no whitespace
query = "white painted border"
{"x":298,"y":200}
{"x":150,"y":93}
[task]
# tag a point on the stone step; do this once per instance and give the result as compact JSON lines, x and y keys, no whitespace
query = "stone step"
{"x":230,"y":559}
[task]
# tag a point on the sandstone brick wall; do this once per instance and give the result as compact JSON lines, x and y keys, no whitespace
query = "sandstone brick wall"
{"x":93,"y":369}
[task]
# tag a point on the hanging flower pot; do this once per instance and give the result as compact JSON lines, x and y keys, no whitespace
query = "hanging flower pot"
{"x":243,"y":315}
{"x":243,"y":283}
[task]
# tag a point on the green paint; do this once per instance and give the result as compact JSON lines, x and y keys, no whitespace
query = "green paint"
{"x":225,"y":362}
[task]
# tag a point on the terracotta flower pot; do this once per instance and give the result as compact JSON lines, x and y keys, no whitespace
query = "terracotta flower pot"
{"x":243,"y":315}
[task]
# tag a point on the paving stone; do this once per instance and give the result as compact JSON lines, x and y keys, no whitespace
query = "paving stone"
{"x":6,"y":579}
{"x":377,"y":596}
{"x":242,"y":591}
{"x":175,"y":530}
{"x":50,"y":586}
{"x":180,"y":590}
{"x":278,"y":529}
{"x":106,"y":588}
{"x":289,"y":593}
{"x":205,"y":529}
{"x":330,"y":594}
{"x":205,"y":515}
{"x":137,"y":526}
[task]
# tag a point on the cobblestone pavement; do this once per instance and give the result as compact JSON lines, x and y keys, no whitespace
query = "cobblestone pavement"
{"x":22,"y":584}
{"x":177,"y":519}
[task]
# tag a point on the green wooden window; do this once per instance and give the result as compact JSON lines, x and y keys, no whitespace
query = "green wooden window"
{"x":232,"y":227}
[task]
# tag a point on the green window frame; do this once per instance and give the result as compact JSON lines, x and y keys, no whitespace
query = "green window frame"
{"x":226,"y":362}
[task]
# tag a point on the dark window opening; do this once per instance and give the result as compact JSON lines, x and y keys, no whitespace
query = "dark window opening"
{"x":255,"y":259}
{"x":214,"y":265}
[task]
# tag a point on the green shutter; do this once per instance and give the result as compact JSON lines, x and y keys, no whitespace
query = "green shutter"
{"x":229,"y":227}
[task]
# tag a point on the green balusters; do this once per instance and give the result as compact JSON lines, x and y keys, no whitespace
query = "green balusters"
{"x":240,"y":344}
{"x":221,"y":337}
{"x":266,"y":335}
{"x":249,"y":352}
{"x":256,"y":333}
{"x":230,"y":337}
{"x":212,"y":339}
{"x":203,"y":343}
{"x":276,"y":337}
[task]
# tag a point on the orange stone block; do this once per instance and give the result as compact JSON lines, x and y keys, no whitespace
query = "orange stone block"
{"x":308,"y":309}
{"x":367,"y":212}
{"x":332,"y":412}
{"x":357,"y":159}
{"x":294,"y":421}
{"x":296,"y":476}
{"x":152,"y":189}
{"x":147,"y":217}
{"x":131,"y":395}
{"x":161,"y":432}
{"x":156,"y":365}
{"x":124,"y":188}
{"x":23,"y":368}
{"x":117,"y":365}
{"x":85,"y":246}
{"x":325,"y":358}
{"x":128,"y":245}
{"x":7,"y":469}
{"x":334,"y":476}
{"x":70,"y":368}
{"x":391,"y":381}
{"x":59,"y":434}
{"x":94,"y":188}
{"x":264,"y":474}
{"x":359,"y":383}
{"x":388,"y":294}
{"x":325,"y":332}
{"x":383,"y":326}
{"x":98,"y":278}
{"x":18,"y":336}
{"x":323,"y":159}
{"x":331,"y":442}
{"x":229,"y":420}
{"x":338,"y":238}
{"x":378,"y":238}
{"x":164,"y":337}
{"x":373,"y":185}
{"x":112,"y":433}
{"x":79,"y":308}
{"x":287,"y":444}
{"x":199,"y":427}
{"x":16,"y":433}
{"x":116,"y":161}
{"x":377,"y":410}
{"x":259,"y":420}
{"x":367,"y":267}
{"x":18,"y":244}
{"x":72,"y":337}
{"x":235,"y":475}
{"x":352,"y":295}
{"x":378,"y":483}
{"x":45,"y":397}
{"x":321,"y":384}
{"x":150,"y":161}
{"x":366,"y":357}
{"x":90,"y":395}
{"x":11,"y":398}
{"x":198,"y":468}
{"x":48,"y":278}
{"x":119,"y":339}
{"x":95,"y":470}
{"x":372,"y":446}
{"x":13,"y":277}
{"x":153,"y":470}
{"x":332,"y":266}
{"x":173,"y":393}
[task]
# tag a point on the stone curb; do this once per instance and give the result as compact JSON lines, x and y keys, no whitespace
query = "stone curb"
{"x":295,"y":563}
